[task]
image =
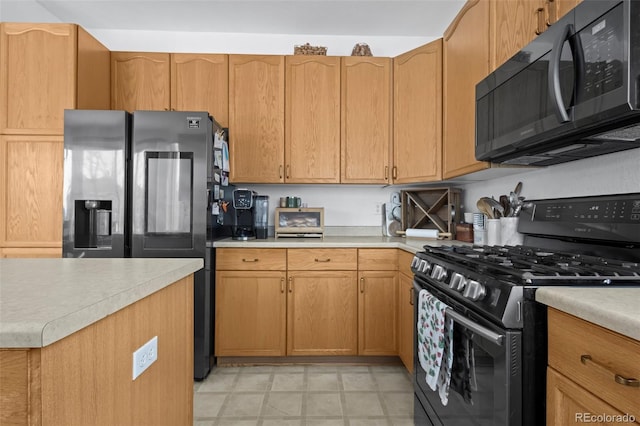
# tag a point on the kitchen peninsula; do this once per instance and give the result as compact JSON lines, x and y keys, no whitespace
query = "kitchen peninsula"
{"x":69,"y":327}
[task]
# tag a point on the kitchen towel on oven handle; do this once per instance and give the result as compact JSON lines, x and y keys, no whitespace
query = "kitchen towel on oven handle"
{"x":435,"y":335}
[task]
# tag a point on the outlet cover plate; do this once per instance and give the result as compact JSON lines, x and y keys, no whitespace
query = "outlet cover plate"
{"x":144,"y":356}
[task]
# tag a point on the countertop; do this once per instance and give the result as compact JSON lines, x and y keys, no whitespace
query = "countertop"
{"x":613,"y":308}
{"x":409,"y":244}
{"x":45,"y":300}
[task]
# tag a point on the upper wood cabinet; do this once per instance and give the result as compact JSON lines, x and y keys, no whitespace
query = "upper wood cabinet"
{"x":199,"y":82}
{"x":366,"y":120}
{"x":466,"y":62}
{"x":45,"y":69}
{"x":312,"y":119}
{"x":256,"y":118}
{"x":140,"y":81}
{"x":515,"y":23}
{"x":417,"y":112}
{"x":31,"y":192}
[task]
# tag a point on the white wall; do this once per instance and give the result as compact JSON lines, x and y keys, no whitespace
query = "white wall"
{"x":615,"y":173}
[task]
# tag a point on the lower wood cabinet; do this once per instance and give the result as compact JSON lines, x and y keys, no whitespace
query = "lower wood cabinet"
{"x":406,"y":318}
{"x":584,"y":375}
{"x":377,"y":313}
{"x":250,"y":313}
{"x":322,"y":313}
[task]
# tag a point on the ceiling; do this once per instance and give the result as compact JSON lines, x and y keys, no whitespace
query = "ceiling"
{"x":401,"y":18}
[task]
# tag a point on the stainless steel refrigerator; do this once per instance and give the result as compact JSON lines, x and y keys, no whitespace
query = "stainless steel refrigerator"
{"x":137,"y":185}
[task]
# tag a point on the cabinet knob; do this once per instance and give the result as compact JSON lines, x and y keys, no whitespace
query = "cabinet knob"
{"x":322,"y":260}
{"x":281,"y":285}
{"x":290,"y":284}
{"x":249,"y":260}
{"x":280,"y":172}
{"x":394,"y":172}
{"x":539,"y":20}
{"x":287,"y":175}
{"x":362,"y":285}
{"x":386,"y":173}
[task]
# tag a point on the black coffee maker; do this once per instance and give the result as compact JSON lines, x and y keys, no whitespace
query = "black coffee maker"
{"x":243,"y":223}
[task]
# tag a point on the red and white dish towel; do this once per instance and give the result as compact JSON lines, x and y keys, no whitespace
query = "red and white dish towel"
{"x":435,"y":336}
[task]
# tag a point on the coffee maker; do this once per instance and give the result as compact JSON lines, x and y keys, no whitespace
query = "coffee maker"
{"x":243,"y":222}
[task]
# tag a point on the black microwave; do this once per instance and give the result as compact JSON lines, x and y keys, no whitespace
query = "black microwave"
{"x":572,"y":93}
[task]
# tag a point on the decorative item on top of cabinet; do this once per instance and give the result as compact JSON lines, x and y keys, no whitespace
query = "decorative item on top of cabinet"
{"x":312,"y":119}
{"x":140,"y":81}
{"x":31,"y":193}
{"x":322,"y":302}
{"x":256,"y":118}
{"x":361,"y":49}
{"x":431,"y":208}
{"x":366,"y":120}
{"x":417,"y":96}
{"x":251,"y":302}
{"x":377,"y":301}
{"x":45,"y":69}
{"x":200,"y":82}
{"x":307,"y":49}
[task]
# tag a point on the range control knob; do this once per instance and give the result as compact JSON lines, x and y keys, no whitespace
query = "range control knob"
{"x":424,"y":266}
{"x":414,"y":262}
{"x":438,"y":272}
{"x":458,"y":282}
{"x":474,"y":290}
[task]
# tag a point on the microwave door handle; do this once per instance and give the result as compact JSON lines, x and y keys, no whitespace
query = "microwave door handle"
{"x":555,"y":91}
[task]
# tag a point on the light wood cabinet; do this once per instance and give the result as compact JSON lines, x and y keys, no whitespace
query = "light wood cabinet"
{"x":406,"y":318}
{"x":366,"y":120}
{"x":250,"y":313}
{"x":322,"y":313}
{"x":582,"y":377}
{"x":312,"y":119}
{"x":377,"y":301}
{"x":256,"y":118}
{"x":515,"y":23}
{"x":140,"y":81}
{"x":31,"y":192}
{"x":45,"y":69}
{"x":417,"y":112}
{"x":466,"y":62}
{"x":200,"y":82}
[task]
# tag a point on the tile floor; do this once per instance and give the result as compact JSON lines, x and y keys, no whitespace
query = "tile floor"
{"x":304,"y":395}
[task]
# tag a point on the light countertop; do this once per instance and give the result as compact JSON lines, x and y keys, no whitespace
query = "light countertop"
{"x":411,"y":245}
{"x":616,"y":309}
{"x":45,"y":300}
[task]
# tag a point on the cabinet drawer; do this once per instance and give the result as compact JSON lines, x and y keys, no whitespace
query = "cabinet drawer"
{"x":378,"y":259}
{"x":404,"y":262}
{"x":245,"y":259}
{"x":571,"y":338}
{"x":322,"y":259}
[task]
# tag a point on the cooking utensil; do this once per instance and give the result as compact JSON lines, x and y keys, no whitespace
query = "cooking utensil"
{"x":504,"y":202}
{"x":485,"y":207}
{"x":498,"y":210}
{"x":518,"y":188}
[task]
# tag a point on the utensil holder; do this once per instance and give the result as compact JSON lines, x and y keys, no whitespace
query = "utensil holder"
{"x":509,"y":235}
{"x":494,"y":232}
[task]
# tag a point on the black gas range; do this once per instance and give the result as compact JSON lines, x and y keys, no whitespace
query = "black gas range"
{"x":490,"y":294}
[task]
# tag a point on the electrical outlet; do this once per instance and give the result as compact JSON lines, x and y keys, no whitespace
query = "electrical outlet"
{"x":378,"y":208}
{"x":144,"y":356}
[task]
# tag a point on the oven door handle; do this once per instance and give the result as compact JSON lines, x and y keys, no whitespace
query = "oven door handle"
{"x":476,"y":328}
{"x":494,"y":337}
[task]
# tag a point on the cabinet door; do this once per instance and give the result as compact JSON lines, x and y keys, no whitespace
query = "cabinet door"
{"x":406,"y":320}
{"x":417,"y":77}
{"x":515,"y":24}
{"x":256,"y":118}
{"x":201,"y":83}
{"x":322,"y":313}
{"x":466,"y":62}
{"x":569,"y":404}
{"x":31,"y":191}
{"x":312,"y":124}
{"x":12,"y":252}
{"x":37,"y":77}
{"x":94,"y":73}
{"x":140,"y":81}
{"x":366,"y":120}
{"x":377,"y":313}
{"x":250,"y":313}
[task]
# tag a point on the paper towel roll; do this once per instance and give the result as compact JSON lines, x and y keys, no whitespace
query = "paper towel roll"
{"x":422,"y":233}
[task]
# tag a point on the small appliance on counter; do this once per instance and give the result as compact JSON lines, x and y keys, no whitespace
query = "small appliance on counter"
{"x":243,"y":221}
{"x":261,"y":216}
